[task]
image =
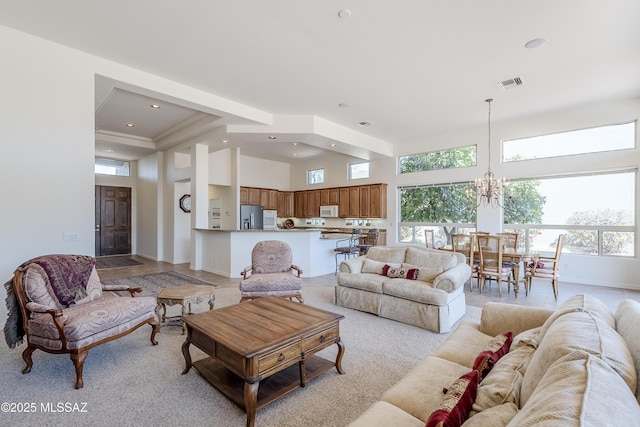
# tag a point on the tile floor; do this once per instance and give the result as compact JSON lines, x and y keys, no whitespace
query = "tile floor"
{"x":541,"y":294}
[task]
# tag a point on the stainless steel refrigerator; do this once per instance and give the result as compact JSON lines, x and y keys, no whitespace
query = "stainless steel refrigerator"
{"x":251,"y":217}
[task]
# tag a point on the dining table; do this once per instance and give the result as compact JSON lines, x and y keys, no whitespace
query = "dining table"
{"x":517,"y":256}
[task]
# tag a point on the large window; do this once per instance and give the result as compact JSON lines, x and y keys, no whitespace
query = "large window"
{"x":595,"y":211}
{"x":447,"y":209}
{"x":592,"y":140}
{"x":434,"y":160}
{"x":111,"y":167}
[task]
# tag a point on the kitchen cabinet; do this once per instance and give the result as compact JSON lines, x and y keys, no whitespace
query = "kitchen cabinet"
{"x":334,"y":196}
{"x":364,"y":201}
{"x":377,"y":201}
{"x":273,"y":199}
{"x":313,"y":204}
{"x":324,"y":197}
{"x":354,"y":202}
{"x":300,"y":204}
{"x":285,"y":204}
{"x":254,"y":196}
{"x":343,"y":202}
{"x":244,"y":196}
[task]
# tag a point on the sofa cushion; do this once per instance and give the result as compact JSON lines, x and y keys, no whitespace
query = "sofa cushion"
{"x":464,"y":343}
{"x":498,"y":416}
{"x":627,"y":321}
{"x":420,"y":391}
{"x":387,"y":254}
{"x":579,"y":389}
{"x":497,"y":347}
{"x":582,"y":303}
{"x":425,"y":274}
{"x":366,"y":281}
{"x":573,"y":331}
{"x":423,"y":257}
{"x":455,"y":407}
{"x":502,"y":384}
{"x":415,"y":290}
{"x":371,"y":266}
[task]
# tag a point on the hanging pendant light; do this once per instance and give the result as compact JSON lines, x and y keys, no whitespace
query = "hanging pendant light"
{"x":489,"y":190}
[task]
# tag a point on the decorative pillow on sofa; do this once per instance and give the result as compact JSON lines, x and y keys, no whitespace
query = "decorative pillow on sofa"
{"x":371,"y":266}
{"x":454,"y":409}
{"x":400,"y":273}
{"x":496,"y":348}
{"x":425,"y":274}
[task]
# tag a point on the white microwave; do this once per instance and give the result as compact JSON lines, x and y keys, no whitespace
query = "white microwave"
{"x":330,"y":211}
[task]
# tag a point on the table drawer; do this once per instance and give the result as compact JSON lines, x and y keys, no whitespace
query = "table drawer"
{"x":320,"y":339}
{"x":281,"y":356}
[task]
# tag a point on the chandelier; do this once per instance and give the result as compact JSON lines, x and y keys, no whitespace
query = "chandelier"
{"x":489,"y":189}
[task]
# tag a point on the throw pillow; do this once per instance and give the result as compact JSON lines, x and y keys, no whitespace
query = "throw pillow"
{"x":454,"y":409}
{"x":400,"y":273}
{"x":425,"y":274}
{"x":372,"y":266}
{"x":496,"y":348}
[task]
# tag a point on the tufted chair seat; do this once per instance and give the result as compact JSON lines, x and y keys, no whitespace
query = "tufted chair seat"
{"x":271,"y":273}
{"x":62,"y":308}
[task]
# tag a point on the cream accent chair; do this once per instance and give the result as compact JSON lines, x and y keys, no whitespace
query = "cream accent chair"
{"x":545,"y":268}
{"x":59,"y":326}
{"x":271,"y":273}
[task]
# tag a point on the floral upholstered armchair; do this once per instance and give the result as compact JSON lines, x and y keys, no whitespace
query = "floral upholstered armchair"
{"x":271,"y":273}
{"x":59,"y":306}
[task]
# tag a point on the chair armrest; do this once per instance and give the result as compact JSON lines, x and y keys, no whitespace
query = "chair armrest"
{"x":352,"y":265}
{"x":453,"y":278}
{"x":298,"y":269}
{"x":245,"y":271}
{"x":122,"y":288}
{"x":40,"y":308}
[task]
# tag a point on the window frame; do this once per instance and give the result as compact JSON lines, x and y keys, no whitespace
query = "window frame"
{"x":309,"y":174}
{"x":351,"y":165}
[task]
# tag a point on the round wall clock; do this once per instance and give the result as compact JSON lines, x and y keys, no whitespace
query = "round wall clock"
{"x":185,"y":203}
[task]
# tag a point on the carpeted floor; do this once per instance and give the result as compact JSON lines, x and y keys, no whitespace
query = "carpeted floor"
{"x":152,"y":284}
{"x":129,"y":382}
{"x":115,"y":262}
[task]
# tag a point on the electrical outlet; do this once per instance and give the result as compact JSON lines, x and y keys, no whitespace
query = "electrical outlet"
{"x":71,"y":236}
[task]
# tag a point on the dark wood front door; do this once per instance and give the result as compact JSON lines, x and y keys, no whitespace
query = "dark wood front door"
{"x":113,"y":220}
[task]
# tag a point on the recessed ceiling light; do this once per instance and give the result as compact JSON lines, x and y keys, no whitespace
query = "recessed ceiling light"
{"x":130,"y":125}
{"x":295,"y":143}
{"x":333,"y":145}
{"x":272,"y":137}
{"x":109,"y":151}
{"x":294,"y":154}
{"x":155,"y":106}
{"x":532,"y":44}
{"x":224,"y":141}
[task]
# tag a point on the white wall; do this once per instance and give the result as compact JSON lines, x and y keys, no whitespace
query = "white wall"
{"x":148,"y":214}
{"x":262,"y":173}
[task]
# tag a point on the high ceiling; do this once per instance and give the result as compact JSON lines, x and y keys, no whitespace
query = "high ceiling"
{"x":411,"y":68}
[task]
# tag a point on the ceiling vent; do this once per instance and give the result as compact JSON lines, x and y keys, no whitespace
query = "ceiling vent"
{"x":509,"y":84}
{"x":364,"y":123}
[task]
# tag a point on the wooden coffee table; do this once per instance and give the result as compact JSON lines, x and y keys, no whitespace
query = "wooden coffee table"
{"x":270,"y":338}
{"x":184,"y":295}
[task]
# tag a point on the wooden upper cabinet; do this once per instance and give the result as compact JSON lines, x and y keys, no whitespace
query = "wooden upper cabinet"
{"x":343,"y":202}
{"x":334,"y":196}
{"x":254,"y":196}
{"x":300,"y":204}
{"x":364,"y":201}
{"x":313,"y":203}
{"x":244,"y":195}
{"x":285,"y":203}
{"x":378,"y":201}
{"x":264,"y":198}
{"x":354,"y":202}
{"x":324,"y":197}
{"x":273,"y":200}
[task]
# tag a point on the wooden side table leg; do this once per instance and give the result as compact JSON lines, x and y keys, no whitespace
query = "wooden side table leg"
{"x":340,"y":345}
{"x":184,"y":313}
{"x":251,"y":401}
{"x":186,"y":353}
{"x":303,"y":373}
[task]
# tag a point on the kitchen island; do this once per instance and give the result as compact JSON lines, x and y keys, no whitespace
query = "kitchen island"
{"x":228,"y":252}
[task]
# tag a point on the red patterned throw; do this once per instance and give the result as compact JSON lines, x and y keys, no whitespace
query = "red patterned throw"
{"x":454,"y":409}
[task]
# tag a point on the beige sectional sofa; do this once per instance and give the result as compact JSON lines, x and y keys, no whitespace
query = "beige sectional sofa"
{"x":434,"y":300}
{"x":574,"y":366}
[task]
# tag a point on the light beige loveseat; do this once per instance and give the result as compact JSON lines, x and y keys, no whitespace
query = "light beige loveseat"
{"x":574,"y":366}
{"x":434,"y":301}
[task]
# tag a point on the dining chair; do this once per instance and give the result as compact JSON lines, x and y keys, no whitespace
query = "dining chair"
{"x":429,"y":238}
{"x":370,"y":240}
{"x":545,"y":268}
{"x":491,"y":265}
{"x":510,"y":242}
{"x":466,"y":244}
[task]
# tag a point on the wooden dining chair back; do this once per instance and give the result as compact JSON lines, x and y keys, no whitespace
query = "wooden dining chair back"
{"x":429,"y":238}
{"x":465,"y":244}
{"x":491,"y":265}
{"x":545,"y":268}
{"x":510,"y":242}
